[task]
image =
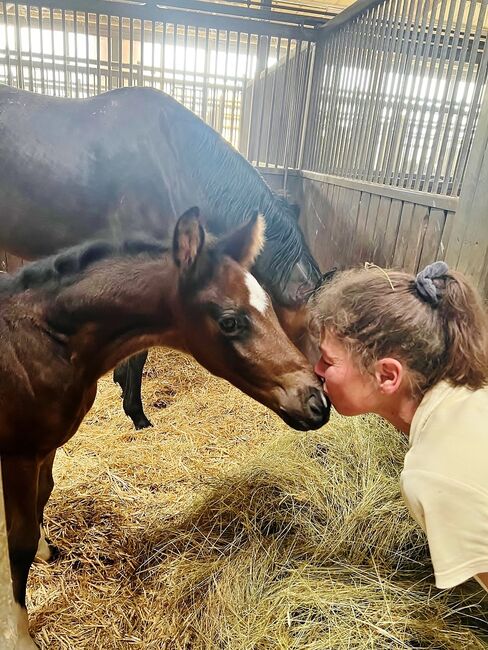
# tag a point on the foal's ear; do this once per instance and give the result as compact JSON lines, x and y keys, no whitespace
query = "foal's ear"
{"x":245,"y":243}
{"x":188,"y":239}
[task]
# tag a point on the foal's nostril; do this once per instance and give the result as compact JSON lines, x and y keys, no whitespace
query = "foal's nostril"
{"x":316,"y":404}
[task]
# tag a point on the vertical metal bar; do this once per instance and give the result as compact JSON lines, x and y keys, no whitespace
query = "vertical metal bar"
{"x":29,"y":33}
{"x":109,"y":51}
{"x":293,"y":109}
{"x":301,"y":100}
{"x":97,"y":32}
{"x":120,"y":36}
{"x":412,"y":97}
{"x":153,"y":52}
{"x":51,"y":27}
{"x":352,"y":94}
{"x":7,"y":47}
{"x":214,"y":91}
{"x":315,"y":119}
{"x":75,"y":19}
{"x":185,"y":51}
{"x":271,"y":110}
{"x":163,"y":53}
{"x":196,"y":38}
{"x":324,"y":100}
{"x":434,"y":157}
{"x":329,"y":139}
{"x":251,"y":114}
{"x":20,"y":72}
{"x":265,"y":80}
{"x":375,"y":101}
{"x":233,"y":137}
{"x":342,"y":124}
{"x":175,"y":36}
{"x":280,"y":147}
{"x":87,"y":53}
{"x":449,"y":131}
{"x":142,"y":33}
{"x":472,"y":118}
{"x":242,"y":105}
{"x":329,"y":95}
{"x":131,"y":51}
{"x":206,"y":73}
{"x":67,"y":74}
{"x":224,"y":92}
{"x":403,"y":60}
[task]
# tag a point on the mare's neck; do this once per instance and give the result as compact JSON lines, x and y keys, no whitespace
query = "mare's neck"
{"x":120,"y":307}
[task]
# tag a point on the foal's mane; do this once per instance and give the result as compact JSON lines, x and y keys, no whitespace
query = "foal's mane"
{"x":65,"y":267}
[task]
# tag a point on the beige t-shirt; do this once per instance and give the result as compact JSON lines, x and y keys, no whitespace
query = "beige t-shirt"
{"x":445,"y":480}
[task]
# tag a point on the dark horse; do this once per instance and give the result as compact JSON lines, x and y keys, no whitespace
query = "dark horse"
{"x":126,"y":163}
{"x":67,"y":320}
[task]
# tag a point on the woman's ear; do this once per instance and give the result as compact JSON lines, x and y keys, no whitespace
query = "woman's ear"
{"x":389,"y":374}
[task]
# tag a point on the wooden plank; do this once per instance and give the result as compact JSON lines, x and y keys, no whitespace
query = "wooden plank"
{"x":410,"y":196}
{"x":446,"y":235}
{"x":391,"y":231}
{"x":378,"y":254}
{"x":432,"y":239}
{"x":367,"y":254}
{"x":418,"y":228}
{"x":403,"y":234}
{"x":361,"y":225}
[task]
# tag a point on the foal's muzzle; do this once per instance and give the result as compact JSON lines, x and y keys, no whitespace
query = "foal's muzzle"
{"x":311,"y":412}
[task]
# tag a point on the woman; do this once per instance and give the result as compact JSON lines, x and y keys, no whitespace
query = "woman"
{"x":415,"y":351}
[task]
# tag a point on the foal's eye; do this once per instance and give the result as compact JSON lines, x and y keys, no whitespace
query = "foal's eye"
{"x":229,"y":324}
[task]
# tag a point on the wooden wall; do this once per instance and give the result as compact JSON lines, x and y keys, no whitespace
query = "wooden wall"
{"x":351,"y":222}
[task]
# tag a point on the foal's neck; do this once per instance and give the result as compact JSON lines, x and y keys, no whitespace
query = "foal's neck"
{"x":119,"y":307}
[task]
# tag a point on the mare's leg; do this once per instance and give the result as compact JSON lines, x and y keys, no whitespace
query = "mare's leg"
{"x":45,"y":550}
{"x":20,"y":481}
{"x":120,"y":375}
{"x":132,"y":391}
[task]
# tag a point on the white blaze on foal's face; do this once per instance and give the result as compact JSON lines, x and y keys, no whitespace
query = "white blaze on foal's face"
{"x":257,"y":295}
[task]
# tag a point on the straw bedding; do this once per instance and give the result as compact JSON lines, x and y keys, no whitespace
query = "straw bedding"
{"x":220,"y":528}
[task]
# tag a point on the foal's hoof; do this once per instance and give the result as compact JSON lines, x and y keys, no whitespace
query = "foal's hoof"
{"x":142,"y":423}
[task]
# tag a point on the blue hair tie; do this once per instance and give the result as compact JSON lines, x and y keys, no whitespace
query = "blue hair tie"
{"x":424,"y":282}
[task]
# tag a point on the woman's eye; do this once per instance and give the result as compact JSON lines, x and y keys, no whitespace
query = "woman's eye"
{"x":229,"y":324}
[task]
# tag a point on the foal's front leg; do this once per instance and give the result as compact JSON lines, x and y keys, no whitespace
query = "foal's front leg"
{"x":129,"y":376}
{"x":20,"y":481}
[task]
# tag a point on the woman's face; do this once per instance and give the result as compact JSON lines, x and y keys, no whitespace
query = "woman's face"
{"x":351,"y":391}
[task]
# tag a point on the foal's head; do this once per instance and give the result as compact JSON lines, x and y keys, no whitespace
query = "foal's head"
{"x":228,"y":323}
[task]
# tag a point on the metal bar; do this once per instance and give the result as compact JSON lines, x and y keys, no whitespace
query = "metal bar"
{"x":142,"y":39}
{"x":408,"y":124}
{"x":75,"y":25}
{"x":87,"y":53}
{"x":318,"y":83}
{"x":41,"y":33}
{"x":434,"y":156}
{"x":163,"y":54}
{"x":109,"y":52}
{"x":352,"y":93}
{"x":175,"y":36}
{"x":226,"y":72}
{"x":404,"y":57}
{"x":261,"y":116}
{"x":120,"y":36}
{"x":7,"y":47}
{"x":327,"y":99}
{"x":131,"y":51}
{"x":244,"y":90}
{"x":369,"y":120}
{"x":29,"y":33}
{"x":282,"y":102}
{"x":293,"y":111}
{"x":469,"y":131}
{"x":97,"y":32}
{"x":271,"y":110}
{"x":304,"y":99}
{"x":454,"y":133}
{"x":339,"y":38}
{"x":251,"y":114}
{"x":351,"y":33}
{"x":20,"y":72}
{"x":181,"y":17}
{"x":426,"y":57}
{"x":67,"y":75}
{"x":233,"y":139}
{"x":195,"y":63}
{"x":206,"y":74}
{"x":153,"y":52}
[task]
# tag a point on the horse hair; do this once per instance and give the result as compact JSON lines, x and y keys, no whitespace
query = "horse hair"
{"x":65,"y":266}
{"x":246,"y":191}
